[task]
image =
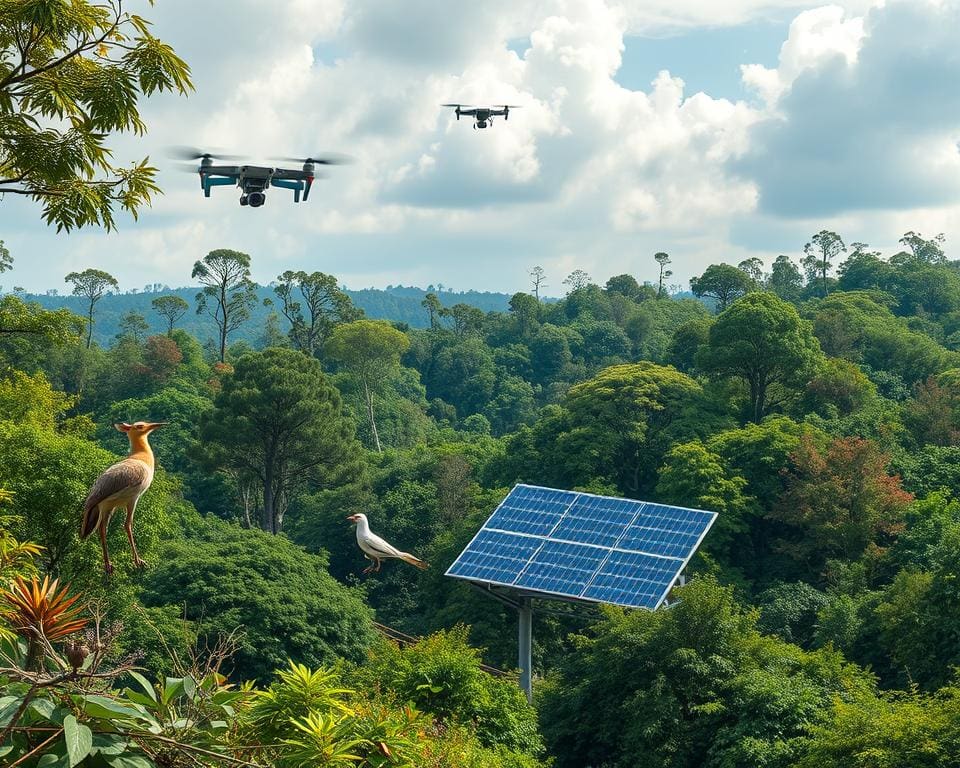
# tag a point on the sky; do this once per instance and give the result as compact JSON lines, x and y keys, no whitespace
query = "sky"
{"x":714,"y":131}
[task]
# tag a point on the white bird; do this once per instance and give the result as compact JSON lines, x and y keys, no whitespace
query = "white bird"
{"x":377,"y":549}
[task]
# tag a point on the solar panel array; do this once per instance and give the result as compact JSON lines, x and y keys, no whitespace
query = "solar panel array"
{"x":585,"y":547}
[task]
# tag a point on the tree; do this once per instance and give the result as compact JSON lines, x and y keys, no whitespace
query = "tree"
{"x":134,"y":325}
{"x":925,"y":251}
{"x":93,"y":285}
{"x":434,"y":309}
{"x":6,"y":260}
{"x":694,"y":476}
{"x":822,"y":249}
{"x":19,"y":318}
{"x":321,"y":304}
{"x":577,"y":280}
{"x":752,"y":268}
{"x":525,"y":310}
{"x":370,"y":350}
{"x":722,"y":282}
{"x":539,"y":277}
{"x":624,"y":285}
{"x":228,"y":293}
{"x":763,"y":341}
{"x":466,"y":319}
{"x":53,"y":137}
{"x":662,"y":260}
{"x":839,"y":501}
{"x":277,"y":419}
{"x":170,"y":308}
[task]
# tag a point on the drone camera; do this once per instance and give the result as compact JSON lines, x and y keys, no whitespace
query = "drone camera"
{"x":255,"y":199}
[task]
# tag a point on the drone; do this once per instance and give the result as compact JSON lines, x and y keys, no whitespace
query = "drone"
{"x":254,"y":180}
{"x":482,"y":116}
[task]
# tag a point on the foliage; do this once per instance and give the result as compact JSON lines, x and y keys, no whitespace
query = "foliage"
{"x":92,"y":285}
{"x":723,"y":283}
{"x":70,"y":75}
{"x":171,"y":309}
{"x":282,"y":599}
{"x":693,"y":686}
{"x":313,"y":304}
{"x":441,"y":675}
{"x":228,"y":293}
{"x":762,"y":341}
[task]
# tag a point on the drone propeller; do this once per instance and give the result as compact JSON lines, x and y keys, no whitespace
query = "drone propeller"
{"x":193,"y":153}
{"x":318,"y":160}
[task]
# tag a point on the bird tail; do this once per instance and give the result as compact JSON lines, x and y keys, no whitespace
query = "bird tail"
{"x":91,"y":519}
{"x":414,"y":561}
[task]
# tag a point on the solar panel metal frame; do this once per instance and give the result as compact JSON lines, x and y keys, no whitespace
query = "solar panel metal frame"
{"x":542,"y":539}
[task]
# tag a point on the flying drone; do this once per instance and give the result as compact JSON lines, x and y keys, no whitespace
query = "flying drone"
{"x":254,"y":180}
{"x":482,"y":116}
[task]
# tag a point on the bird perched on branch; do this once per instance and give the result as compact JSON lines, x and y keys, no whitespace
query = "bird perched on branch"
{"x":121,"y":485}
{"x":377,"y":549}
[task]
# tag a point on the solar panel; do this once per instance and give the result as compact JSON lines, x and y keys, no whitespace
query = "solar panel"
{"x":584,"y":547}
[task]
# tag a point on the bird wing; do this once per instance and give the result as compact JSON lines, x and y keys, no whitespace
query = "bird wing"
{"x":374,"y":545}
{"x":115,"y":479}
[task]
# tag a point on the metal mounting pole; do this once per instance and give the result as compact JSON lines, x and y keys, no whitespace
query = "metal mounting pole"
{"x":525,"y":662}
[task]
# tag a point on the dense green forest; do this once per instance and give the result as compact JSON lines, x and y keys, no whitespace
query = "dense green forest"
{"x":814,"y":406}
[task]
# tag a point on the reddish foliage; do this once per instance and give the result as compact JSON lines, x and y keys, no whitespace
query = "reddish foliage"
{"x":932,"y":415}
{"x":841,"y":501}
{"x":162,"y":357}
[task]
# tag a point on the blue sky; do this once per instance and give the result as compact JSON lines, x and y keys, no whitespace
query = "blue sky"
{"x":712,"y":131}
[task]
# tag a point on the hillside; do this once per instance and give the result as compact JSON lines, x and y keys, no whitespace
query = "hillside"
{"x":398,"y":304}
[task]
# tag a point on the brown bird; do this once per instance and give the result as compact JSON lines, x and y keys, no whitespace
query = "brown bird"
{"x":121,"y":485}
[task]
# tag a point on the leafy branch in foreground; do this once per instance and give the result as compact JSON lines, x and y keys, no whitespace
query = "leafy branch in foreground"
{"x":70,"y":74}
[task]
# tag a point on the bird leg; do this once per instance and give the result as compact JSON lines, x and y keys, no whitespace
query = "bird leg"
{"x":374,"y":562}
{"x":128,"y":525}
{"x":102,"y":529}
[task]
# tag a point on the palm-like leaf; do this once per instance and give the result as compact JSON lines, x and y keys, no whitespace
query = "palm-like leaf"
{"x":36,"y":609}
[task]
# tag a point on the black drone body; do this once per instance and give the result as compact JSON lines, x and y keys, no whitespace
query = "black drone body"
{"x":482,"y":116}
{"x":254,"y":180}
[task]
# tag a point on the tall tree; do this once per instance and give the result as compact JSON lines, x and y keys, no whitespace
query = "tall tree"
{"x":822,"y":249}
{"x":577,"y":280}
{"x":93,"y":285}
{"x":278,"y":419}
{"x":662,"y":259}
{"x":71,"y":73}
{"x":525,"y":310}
{"x":133,"y":325}
{"x":6,"y":260}
{"x":752,"y":268}
{"x":785,"y":279}
{"x":722,"y":282}
{"x":312,"y":303}
{"x":539,"y":277}
{"x":434,"y":309}
{"x":228,"y":293}
{"x":170,"y":308}
{"x":370,"y":350}
{"x":923,"y":250}
{"x":763,"y":341}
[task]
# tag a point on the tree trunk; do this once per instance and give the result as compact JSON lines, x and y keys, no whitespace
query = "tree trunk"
{"x":90,"y":325}
{"x":266,"y":522}
{"x":373,"y":423}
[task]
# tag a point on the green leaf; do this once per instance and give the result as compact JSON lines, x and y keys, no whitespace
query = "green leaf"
{"x":47,"y":710}
{"x":171,"y":690}
{"x":128,"y":761}
{"x":145,"y":684}
{"x":108,"y":744}
{"x":52,"y":760}
{"x":4,"y":751}
{"x":189,"y":687}
{"x":78,"y":738}
{"x":103,"y":707}
{"x":8,"y":705}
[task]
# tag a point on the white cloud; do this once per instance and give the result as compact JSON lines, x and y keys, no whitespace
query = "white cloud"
{"x":586,"y":174}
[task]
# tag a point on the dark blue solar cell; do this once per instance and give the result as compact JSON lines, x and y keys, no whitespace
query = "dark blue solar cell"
{"x":597,"y":520}
{"x":561,"y":567}
{"x":634,"y":579}
{"x":494,"y":557}
{"x":532,"y":510}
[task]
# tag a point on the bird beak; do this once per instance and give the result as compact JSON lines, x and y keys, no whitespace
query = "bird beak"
{"x":352,"y":518}
{"x":154,"y":424}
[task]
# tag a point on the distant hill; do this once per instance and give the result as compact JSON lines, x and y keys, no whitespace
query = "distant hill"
{"x":395,"y":303}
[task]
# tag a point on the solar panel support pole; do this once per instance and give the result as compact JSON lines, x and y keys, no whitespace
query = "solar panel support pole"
{"x":525,"y":662}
